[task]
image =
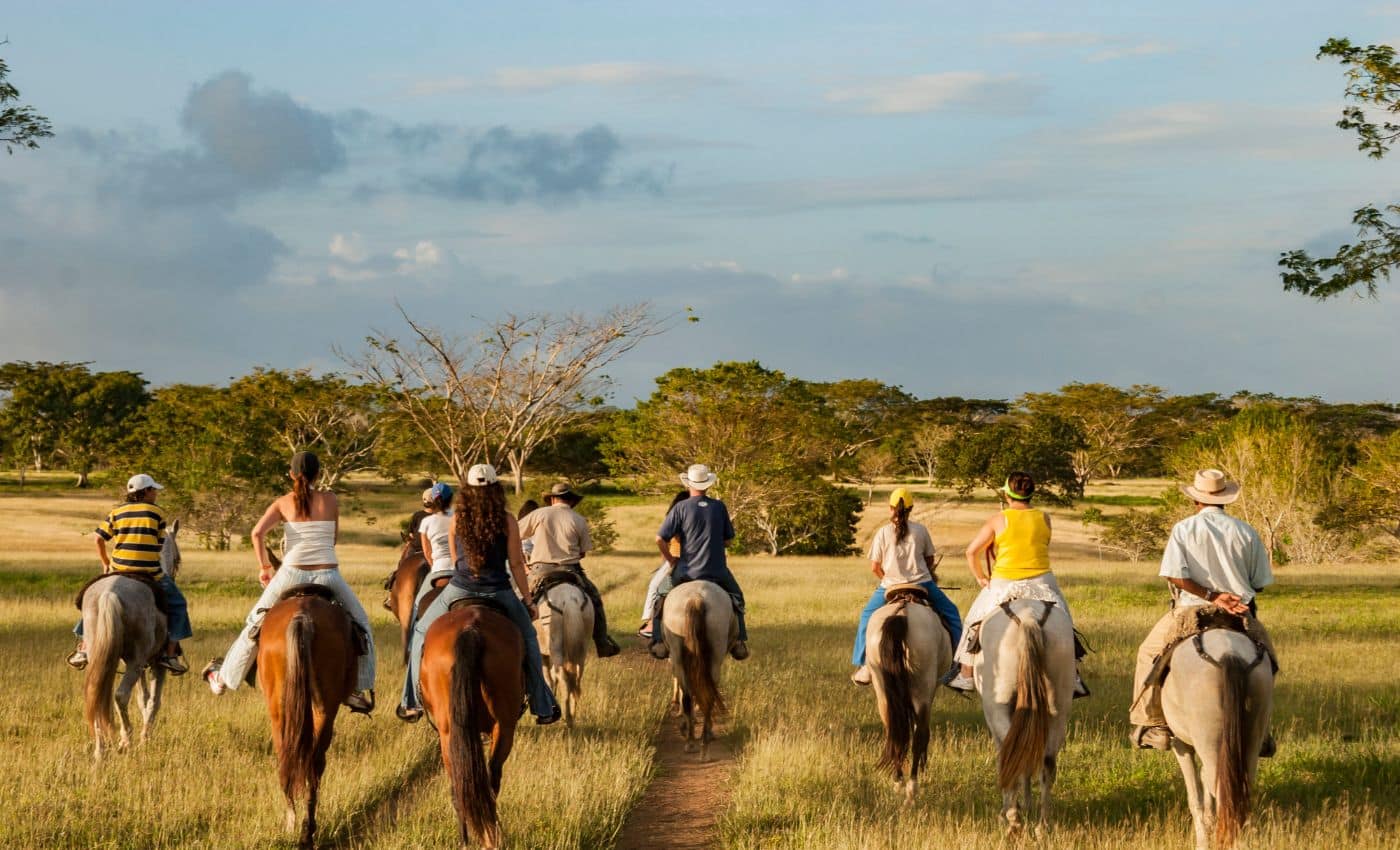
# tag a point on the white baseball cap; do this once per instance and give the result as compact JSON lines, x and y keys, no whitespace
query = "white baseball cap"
{"x":481,"y":475}
{"x":137,"y":483}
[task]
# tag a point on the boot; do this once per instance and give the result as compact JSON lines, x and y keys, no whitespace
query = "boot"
{"x":660,"y":651}
{"x":361,"y":702}
{"x":739,"y":651}
{"x":1151,"y":737}
{"x":79,"y":659}
{"x":861,"y":676}
{"x":606,"y":646}
{"x":1269,"y":748}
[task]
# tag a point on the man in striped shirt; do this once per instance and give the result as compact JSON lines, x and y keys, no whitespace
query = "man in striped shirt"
{"x":136,"y":531}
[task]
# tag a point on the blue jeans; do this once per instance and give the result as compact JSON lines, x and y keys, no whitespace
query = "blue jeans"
{"x":726,"y":582}
{"x":542,"y":702}
{"x":941,"y":603}
{"x":177,"y":625}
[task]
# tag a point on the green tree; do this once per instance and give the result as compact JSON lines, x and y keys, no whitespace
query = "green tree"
{"x":20,"y":125}
{"x":102,"y":408}
{"x":1039,"y":443}
{"x":1373,"y":85}
{"x":576,"y":452}
{"x":1110,"y":421}
{"x":861,"y":413}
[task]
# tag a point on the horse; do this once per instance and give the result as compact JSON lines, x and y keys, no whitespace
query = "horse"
{"x":473,"y":683}
{"x":698,"y":625}
{"x":908,"y":650}
{"x":1025,"y":674}
{"x":307,"y":660}
{"x":1217,"y":700}
{"x":403,"y":587}
{"x":565,"y":630}
{"x":121,"y":624}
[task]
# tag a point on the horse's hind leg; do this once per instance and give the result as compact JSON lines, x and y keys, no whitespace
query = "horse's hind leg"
{"x":1047,"y":782}
{"x":151,"y":706}
{"x":1186,"y":758}
{"x":919,"y":753}
{"x":123,"y":699}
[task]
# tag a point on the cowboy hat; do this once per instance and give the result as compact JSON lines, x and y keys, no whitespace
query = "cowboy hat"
{"x":564,"y":491}
{"x":699,"y":477}
{"x":1211,"y":487}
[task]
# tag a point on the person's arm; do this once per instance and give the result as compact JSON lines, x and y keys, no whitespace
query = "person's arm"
{"x":102,"y":552}
{"x":977,"y":548}
{"x":878,"y":570}
{"x":452,"y":545}
{"x":517,"y":565}
{"x":1229,"y":601}
{"x":665,"y":547}
{"x":335,"y":516}
{"x":270,"y":518}
{"x":670,"y":527}
{"x":585,"y":537}
{"x":426,"y":547}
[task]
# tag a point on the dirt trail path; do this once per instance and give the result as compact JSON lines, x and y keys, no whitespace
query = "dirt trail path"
{"x":682,"y":804}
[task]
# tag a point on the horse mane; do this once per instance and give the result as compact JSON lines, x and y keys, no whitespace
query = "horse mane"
{"x":1232,"y":787}
{"x":1032,"y":707}
{"x":472,"y":794}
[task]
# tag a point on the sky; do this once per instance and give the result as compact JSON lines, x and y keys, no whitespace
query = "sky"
{"x":961,"y":199}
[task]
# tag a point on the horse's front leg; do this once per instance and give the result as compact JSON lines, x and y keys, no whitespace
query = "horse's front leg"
{"x":123,"y":699}
{"x":152,"y":703}
{"x":1186,"y":759}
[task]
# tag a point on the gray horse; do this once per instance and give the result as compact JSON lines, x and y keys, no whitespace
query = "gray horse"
{"x":122,"y":625}
{"x":1217,"y":700}
{"x":699,"y":626}
{"x":565,"y":630}
{"x":907,"y":650}
{"x":1025,"y":673}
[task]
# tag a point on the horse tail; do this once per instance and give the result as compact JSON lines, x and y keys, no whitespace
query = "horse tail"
{"x":298,"y":730}
{"x":104,"y":651}
{"x":1032,"y":706}
{"x":1232,"y":791}
{"x":893,"y":670}
{"x":697,"y":660}
{"x":570,"y":644}
{"x":471,"y":784}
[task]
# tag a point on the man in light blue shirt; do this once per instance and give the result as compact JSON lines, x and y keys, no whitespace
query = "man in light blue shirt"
{"x":1211,"y":558}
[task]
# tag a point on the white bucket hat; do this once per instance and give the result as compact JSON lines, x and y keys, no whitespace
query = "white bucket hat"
{"x":699,"y":477}
{"x":1211,"y":487}
{"x":137,"y":483}
{"x":481,"y":475}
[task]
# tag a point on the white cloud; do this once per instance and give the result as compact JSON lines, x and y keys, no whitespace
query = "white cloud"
{"x":836,"y":275}
{"x":549,"y":78}
{"x":1049,"y":39}
{"x":1110,"y":47}
{"x":349,"y":248}
{"x":1159,"y":124}
{"x":1146,"y":48}
{"x":351,"y":262}
{"x":932,"y":92}
{"x":425,"y":254}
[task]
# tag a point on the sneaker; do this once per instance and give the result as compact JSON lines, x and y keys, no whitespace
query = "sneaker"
{"x":607,"y":647}
{"x":861,"y":676}
{"x":546,"y":719}
{"x":659,"y":651}
{"x":361,"y":702}
{"x":210,"y":674}
{"x":78,"y":660}
{"x":173,"y":664}
{"x":962,"y":684}
{"x":1151,"y":737}
{"x":644,"y":632}
{"x":408,"y":715}
{"x":739,"y":651}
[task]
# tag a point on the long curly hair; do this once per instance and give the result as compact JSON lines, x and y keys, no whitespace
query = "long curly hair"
{"x":480,"y":522}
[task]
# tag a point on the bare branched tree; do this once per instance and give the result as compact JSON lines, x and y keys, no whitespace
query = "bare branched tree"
{"x":501,"y":394}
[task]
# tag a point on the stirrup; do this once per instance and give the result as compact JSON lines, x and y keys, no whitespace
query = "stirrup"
{"x":408,"y":715}
{"x":360,"y":703}
{"x":173,"y":664}
{"x":78,"y":660}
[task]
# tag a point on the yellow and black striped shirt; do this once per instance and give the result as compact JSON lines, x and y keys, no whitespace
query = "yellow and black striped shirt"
{"x":137,"y":531}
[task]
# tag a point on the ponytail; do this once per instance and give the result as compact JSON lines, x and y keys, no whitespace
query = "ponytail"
{"x":301,"y":496}
{"x":901,"y":522}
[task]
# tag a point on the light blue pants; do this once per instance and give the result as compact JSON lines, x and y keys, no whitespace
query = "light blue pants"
{"x":937,"y":598}
{"x":541,"y":698}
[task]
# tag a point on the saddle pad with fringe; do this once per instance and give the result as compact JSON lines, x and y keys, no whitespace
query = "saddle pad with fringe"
{"x":1199,"y":619}
{"x":149,"y":581}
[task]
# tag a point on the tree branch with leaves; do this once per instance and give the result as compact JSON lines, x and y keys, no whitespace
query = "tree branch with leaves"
{"x":21,"y":126}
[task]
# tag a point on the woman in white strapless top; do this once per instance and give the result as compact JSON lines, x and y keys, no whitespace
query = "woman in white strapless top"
{"x":310,"y":520}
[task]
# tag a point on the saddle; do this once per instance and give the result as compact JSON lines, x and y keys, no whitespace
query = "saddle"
{"x":479,"y":602}
{"x":149,"y":581}
{"x":320,"y":591}
{"x":907,"y":593}
{"x":1192,"y":623}
{"x":544,"y":579}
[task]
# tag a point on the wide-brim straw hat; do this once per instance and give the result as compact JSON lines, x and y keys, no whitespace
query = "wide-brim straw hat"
{"x":1211,"y":487}
{"x":699,"y":477}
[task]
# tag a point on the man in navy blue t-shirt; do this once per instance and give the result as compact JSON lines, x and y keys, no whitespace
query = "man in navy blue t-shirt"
{"x":703,"y":526}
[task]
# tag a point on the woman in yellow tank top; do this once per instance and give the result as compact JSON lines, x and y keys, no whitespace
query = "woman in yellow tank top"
{"x":1016,"y":542}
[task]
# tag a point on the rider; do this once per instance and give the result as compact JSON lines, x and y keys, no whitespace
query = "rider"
{"x":1021,"y":570}
{"x":311,"y":520}
{"x":485,"y":547}
{"x":703,"y":525}
{"x":902,"y":553}
{"x":653,"y":597}
{"x":433,"y":532}
{"x":1211,"y":558}
{"x":136,"y":531}
{"x":560,"y":539}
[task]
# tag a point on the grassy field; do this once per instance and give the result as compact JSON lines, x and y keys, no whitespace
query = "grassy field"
{"x":806,"y":739}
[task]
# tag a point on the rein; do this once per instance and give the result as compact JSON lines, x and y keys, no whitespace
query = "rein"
{"x":1040,"y":621}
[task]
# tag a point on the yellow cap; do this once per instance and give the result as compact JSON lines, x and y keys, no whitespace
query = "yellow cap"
{"x":901,"y":497}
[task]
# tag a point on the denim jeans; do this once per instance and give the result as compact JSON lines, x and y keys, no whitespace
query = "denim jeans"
{"x":727,"y":583}
{"x":937,"y":598}
{"x":542,"y":702}
{"x":177,"y":625}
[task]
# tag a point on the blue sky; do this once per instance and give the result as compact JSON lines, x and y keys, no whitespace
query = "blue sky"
{"x":976,"y":200}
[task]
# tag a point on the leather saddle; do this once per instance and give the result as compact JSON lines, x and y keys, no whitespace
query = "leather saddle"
{"x":320,"y":591}
{"x":150,"y":581}
{"x":1196,"y":621}
{"x":479,"y":602}
{"x":543,"y":580}
{"x":908,"y":593}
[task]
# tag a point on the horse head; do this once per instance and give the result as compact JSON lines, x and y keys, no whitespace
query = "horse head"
{"x":170,"y":551}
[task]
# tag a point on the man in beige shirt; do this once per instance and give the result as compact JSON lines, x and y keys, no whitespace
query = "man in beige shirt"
{"x":560,"y":539}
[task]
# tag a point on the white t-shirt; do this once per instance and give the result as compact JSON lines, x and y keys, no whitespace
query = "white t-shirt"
{"x":1219,"y":552}
{"x":438,"y":528}
{"x":903,"y":561}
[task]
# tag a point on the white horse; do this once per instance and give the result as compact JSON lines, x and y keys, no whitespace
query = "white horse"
{"x":1025,"y":674}
{"x":1217,"y":700}
{"x":698,"y":625}
{"x":565,"y":630}
{"x":121,"y":624}
{"x":908,"y":650}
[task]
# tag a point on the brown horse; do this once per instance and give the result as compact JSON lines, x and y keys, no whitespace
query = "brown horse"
{"x":403,"y":587}
{"x":306,"y":669}
{"x":472,"y":684}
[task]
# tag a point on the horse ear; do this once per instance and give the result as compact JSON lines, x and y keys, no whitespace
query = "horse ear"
{"x":175,"y":528}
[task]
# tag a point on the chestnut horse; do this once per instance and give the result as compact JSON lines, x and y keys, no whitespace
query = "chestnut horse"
{"x":403,"y":587}
{"x":472,"y":682}
{"x":306,"y":668}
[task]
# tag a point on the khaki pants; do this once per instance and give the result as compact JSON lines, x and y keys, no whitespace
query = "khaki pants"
{"x":1147,"y":707}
